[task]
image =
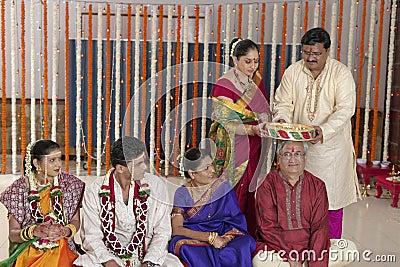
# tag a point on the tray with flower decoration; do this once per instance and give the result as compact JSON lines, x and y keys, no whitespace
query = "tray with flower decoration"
{"x":287,"y":131}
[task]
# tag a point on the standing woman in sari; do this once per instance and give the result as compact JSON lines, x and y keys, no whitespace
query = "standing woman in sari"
{"x":240,"y":104}
{"x":43,"y":209}
{"x":208,"y":228}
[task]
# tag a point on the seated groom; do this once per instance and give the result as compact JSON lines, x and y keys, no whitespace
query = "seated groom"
{"x":292,"y":213}
{"x":125,"y":217}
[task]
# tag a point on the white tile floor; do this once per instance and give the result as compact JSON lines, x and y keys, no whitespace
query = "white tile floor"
{"x":371,"y":223}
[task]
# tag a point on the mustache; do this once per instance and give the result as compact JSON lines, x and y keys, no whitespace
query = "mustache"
{"x":312,"y":61}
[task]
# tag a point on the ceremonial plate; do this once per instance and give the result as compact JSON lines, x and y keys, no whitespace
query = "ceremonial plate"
{"x":287,"y":131}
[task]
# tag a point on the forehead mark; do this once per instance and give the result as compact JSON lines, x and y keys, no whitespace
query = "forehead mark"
{"x":292,"y":148}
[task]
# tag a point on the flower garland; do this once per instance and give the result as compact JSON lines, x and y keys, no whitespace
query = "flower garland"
{"x":128,"y":73}
{"x":4,"y":90}
{"x":240,"y":19}
{"x":227,"y":37}
{"x":196,"y":75}
{"x":389,"y":81}
{"x":56,"y":213}
{"x":99,"y":121}
{"x":13,"y":92}
{"x":177,"y":86}
{"x":305,"y":22}
{"x":144,"y":74}
{"x":118,"y":79}
{"x":369,"y":78}
{"x":218,"y":46}
{"x":340,"y":27}
{"x":23,"y":82}
{"x":159,"y":86}
{"x":296,"y":10}
{"x":153,"y":89}
{"x":90,"y":90}
{"x":45,"y":73}
{"x":359,"y":82}
{"x":184,"y":77}
{"x":377,"y":80}
{"x":66,"y":84}
{"x":323,"y":14}
{"x":273,"y":53}
{"x":54,"y":86}
{"x":137,"y":73}
{"x":262,"y":38}
{"x":108,"y":84}
{"x":107,"y":217}
{"x":316,"y":14}
{"x":168,"y":88}
{"x":283,"y":55}
{"x":333,"y":29}
{"x":351,"y":38}
{"x":205,"y":74}
{"x":78,"y":118}
{"x":250,"y":23}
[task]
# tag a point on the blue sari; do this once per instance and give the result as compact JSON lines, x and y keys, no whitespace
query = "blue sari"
{"x":216,"y":211}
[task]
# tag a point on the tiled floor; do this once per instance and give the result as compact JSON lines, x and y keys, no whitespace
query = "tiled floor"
{"x":372,"y":224}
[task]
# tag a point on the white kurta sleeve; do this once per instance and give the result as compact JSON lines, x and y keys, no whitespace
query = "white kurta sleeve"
{"x":283,"y":102}
{"x":345,"y":97}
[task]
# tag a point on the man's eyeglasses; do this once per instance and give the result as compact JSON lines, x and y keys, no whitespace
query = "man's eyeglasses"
{"x":313,"y":54}
{"x":296,"y":155}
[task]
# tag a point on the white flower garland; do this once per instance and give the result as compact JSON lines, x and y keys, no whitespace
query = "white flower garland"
{"x":78,"y":118}
{"x":316,"y":14}
{"x":136,"y":88}
{"x":389,"y":81}
{"x":117,"y":119}
{"x":54,"y":86}
{"x":205,"y":75}
{"x":153,"y":86}
{"x":227,"y":37}
{"x":168,"y":89}
{"x":250,"y":22}
{"x":369,"y":78}
{"x":33,"y":53}
{"x":184,"y":78}
{"x":99,"y":88}
{"x":296,"y":10}
{"x":350,"y":48}
{"x":333,"y":33}
{"x":13,"y":92}
{"x":273,"y":53}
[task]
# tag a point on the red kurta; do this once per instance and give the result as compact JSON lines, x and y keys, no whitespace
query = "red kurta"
{"x":293,"y":218}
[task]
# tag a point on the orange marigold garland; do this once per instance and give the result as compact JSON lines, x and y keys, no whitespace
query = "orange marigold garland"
{"x":283,"y":55}
{"x":144,"y":74}
{"x":359,"y":81}
{"x":218,"y":46}
{"x":377,"y":80}
{"x":45,"y":74}
{"x":128,"y":73}
{"x":196,"y":76}
{"x":240,"y":19}
{"x":305,"y":22}
{"x":108,"y":85}
{"x":340,"y":27}
{"x":159,"y":87}
{"x":23,"y":85}
{"x":90,"y":90}
{"x":323,"y":13}
{"x":177,"y":87}
{"x":262,"y":37}
{"x":66,"y":137}
{"x":4,"y":89}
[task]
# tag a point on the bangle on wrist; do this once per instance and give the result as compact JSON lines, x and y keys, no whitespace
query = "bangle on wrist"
{"x":211,"y":237}
{"x":73,"y":230}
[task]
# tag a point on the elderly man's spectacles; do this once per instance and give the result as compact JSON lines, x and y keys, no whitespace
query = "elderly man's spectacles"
{"x":313,"y":54}
{"x":296,"y":155}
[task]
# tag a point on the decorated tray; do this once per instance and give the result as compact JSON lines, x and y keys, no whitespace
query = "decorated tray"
{"x":287,"y":131}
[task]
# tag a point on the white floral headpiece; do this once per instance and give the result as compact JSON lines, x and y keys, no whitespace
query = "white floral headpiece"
{"x":28,"y":159}
{"x":234,"y":46}
{"x":180,"y":163}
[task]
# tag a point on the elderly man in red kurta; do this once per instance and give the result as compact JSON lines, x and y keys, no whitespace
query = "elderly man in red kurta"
{"x":292,"y":213}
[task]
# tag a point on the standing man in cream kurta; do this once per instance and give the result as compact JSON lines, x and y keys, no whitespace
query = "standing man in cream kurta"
{"x":320,"y":91}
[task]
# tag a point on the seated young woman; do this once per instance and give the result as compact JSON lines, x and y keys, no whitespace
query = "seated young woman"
{"x":208,"y":227}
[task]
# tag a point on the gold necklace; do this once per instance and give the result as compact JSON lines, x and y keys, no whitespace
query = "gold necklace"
{"x":208,"y":195}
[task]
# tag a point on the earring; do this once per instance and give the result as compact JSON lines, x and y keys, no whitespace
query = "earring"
{"x":38,"y":170}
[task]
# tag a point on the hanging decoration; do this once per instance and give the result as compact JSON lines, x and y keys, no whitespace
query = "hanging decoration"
{"x":316,"y":14}
{"x":144,"y":75}
{"x":45,"y":73}
{"x":389,"y":80}
{"x":66,"y":84}
{"x":207,"y":13}
{"x":108,"y":85}
{"x":54,"y":85}
{"x":218,"y":46}
{"x":340,"y":28}
{"x":78,"y":118}
{"x":323,"y":14}
{"x":137,"y":73}
{"x":3,"y":90}
{"x":153,"y":89}
{"x":369,"y":78}
{"x":350,"y":47}
{"x":196,"y":75}
{"x":118,"y":79}
{"x":333,"y":29}
{"x":13,"y":92}
{"x":296,"y":11}
{"x":377,"y":81}
{"x":250,"y":22}
{"x":185,"y":53}
{"x":240,"y":19}
{"x":159,"y":96}
{"x":128,"y":72}
{"x":273,"y":52}
{"x":99,"y":113}
{"x":23,"y":84}
{"x":262,"y":38}
{"x":90,"y":90}
{"x":283,"y":54}
{"x":305,"y":22}
{"x":227,"y":38}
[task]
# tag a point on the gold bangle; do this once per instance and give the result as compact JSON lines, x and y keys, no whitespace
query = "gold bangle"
{"x":73,"y":230}
{"x":21,"y":235}
{"x":211,"y":237}
{"x":30,"y":231}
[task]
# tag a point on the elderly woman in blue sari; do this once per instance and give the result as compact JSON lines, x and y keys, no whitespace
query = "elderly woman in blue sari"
{"x":208,"y":227}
